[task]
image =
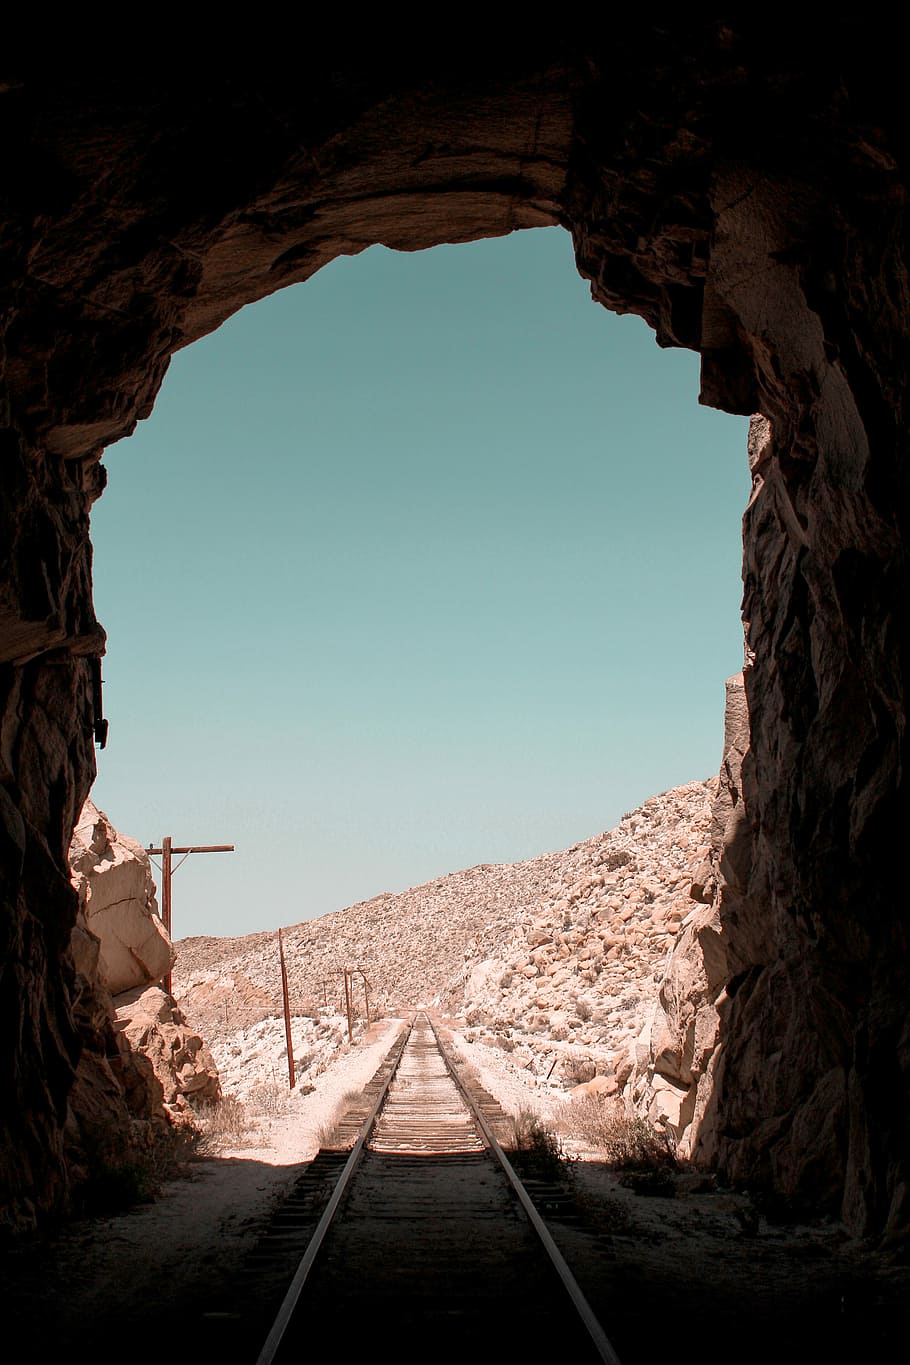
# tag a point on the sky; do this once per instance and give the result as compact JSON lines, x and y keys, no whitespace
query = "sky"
{"x":427,"y":562}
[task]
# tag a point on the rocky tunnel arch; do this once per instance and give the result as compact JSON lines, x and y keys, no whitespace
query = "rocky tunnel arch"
{"x":748,"y":202}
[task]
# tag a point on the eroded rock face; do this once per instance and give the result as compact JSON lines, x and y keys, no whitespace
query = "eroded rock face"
{"x":184,"y":1070}
{"x":140,"y":1068}
{"x":113,"y":878}
{"x":747,"y":197}
{"x":673,"y":1082}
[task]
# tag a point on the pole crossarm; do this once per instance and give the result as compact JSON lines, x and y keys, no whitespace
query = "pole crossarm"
{"x":195,"y":848}
{"x":167,"y":850}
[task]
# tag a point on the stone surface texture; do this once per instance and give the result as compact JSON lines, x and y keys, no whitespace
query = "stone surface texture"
{"x":113,"y":878}
{"x":140,"y":1068}
{"x":674,"y":1064}
{"x":747,"y":197}
{"x":183,"y":1070}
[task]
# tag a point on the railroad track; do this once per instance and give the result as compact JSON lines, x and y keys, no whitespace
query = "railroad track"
{"x":429,"y":1247}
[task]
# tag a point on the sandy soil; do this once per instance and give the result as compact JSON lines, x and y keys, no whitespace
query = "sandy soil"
{"x":679,"y":1274}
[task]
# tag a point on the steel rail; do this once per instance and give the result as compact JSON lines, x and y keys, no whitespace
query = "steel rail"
{"x":295,"y":1289}
{"x":582,"y":1308}
{"x":599,"y":1338}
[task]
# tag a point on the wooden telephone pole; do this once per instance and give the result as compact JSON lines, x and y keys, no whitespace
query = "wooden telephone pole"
{"x":167,"y":850}
{"x":287,"y":1013}
{"x":349,"y":974}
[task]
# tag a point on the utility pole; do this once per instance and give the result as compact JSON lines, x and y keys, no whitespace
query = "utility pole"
{"x":349,"y":974}
{"x":348,"y":1003}
{"x":287,"y":1013}
{"x":166,"y":852}
{"x":358,"y":971}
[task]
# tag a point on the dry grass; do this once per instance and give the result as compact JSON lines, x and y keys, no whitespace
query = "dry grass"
{"x":330,"y":1133}
{"x":537,"y":1142}
{"x":622,"y":1137}
{"x":578,"y":1069}
{"x":114,"y":1181}
{"x":270,"y":1098}
{"x":224,"y":1124}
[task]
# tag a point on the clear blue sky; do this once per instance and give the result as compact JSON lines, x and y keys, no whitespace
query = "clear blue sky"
{"x":428,"y":562}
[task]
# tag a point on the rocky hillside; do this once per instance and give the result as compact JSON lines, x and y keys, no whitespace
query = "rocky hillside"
{"x":556,"y":960}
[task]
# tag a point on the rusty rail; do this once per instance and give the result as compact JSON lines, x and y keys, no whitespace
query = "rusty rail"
{"x":407,"y":1137}
{"x":295,"y":1289}
{"x":584,"y":1310}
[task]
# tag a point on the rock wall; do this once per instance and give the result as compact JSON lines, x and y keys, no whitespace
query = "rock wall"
{"x":747,"y":197}
{"x":140,"y":1067}
{"x":182,"y":1066}
{"x":130,"y":1063}
{"x":113,"y":879}
{"x":680,"y":1045}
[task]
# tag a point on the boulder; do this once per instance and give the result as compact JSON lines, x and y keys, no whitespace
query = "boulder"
{"x":181,"y":1064}
{"x":598,"y":1085}
{"x":138,"y":1061}
{"x":112,"y":875}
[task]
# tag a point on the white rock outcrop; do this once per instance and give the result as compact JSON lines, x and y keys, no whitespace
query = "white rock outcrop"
{"x":557,"y":961}
{"x":113,"y":877}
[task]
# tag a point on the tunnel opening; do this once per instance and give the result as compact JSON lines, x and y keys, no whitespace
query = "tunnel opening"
{"x":411,"y":532}
{"x":780,"y":259}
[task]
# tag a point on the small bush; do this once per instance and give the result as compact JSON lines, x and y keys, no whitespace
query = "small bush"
{"x":583,"y":1010}
{"x":538,"y":1143}
{"x":114,"y":1188}
{"x":270,"y":1099}
{"x":656,"y":1182}
{"x":330,"y":1133}
{"x":577,"y":1070}
{"x":624,"y":1138}
{"x":618,"y":857}
{"x":114,"y":1182}
{"x":223,"y":1124}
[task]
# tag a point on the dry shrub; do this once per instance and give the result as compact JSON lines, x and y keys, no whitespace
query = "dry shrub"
{"x":622,"y":1137}
{"x":270,"y":1099}
{"x":330,"y":1133}
{"x":223,"y":1124}
{"x":576,"y":1070}
{"x":537,"y":1142}
{"x":112,"y":1181}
